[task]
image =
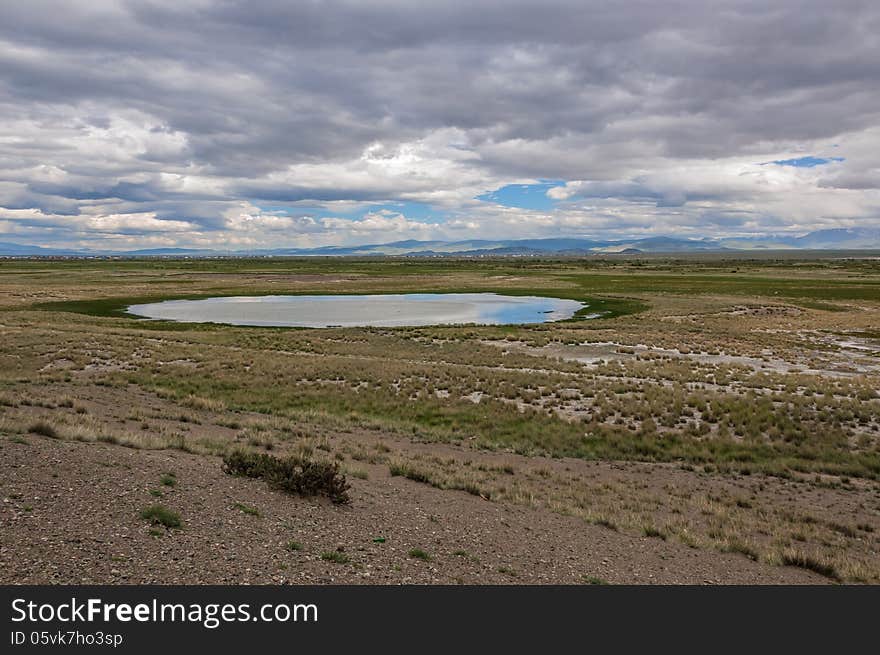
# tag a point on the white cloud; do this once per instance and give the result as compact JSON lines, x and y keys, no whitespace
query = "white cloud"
{"x":217,"y":123}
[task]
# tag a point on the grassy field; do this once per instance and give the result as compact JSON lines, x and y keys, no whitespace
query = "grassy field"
{"x":728,"y":369}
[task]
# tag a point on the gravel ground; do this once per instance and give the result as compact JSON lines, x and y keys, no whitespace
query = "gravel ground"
{"x":70,"y":513}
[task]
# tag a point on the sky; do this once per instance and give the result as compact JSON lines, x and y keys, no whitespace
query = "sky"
{"x":262,"y":124}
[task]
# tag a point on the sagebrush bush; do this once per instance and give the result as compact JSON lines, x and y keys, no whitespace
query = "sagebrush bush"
{"x":295,"y":475}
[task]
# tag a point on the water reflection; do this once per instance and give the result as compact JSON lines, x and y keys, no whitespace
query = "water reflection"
{"x":413,"y":309}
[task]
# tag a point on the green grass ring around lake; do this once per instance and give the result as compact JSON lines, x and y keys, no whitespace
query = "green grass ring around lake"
{"x":596,"y":308}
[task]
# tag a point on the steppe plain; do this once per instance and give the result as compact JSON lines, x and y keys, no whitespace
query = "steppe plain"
{"x":718,"y":423}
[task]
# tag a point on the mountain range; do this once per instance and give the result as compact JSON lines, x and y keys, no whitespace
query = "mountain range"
{"x":834,"y":239}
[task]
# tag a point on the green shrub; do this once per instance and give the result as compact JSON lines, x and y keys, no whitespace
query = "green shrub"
{"x":407,"y":471}
{"x":651,"y":531}
{"x":161,"y":515}
{"x":295,"y":475}
{"x":592,"y":579}
{"x":418,"y":553}
{"x":335,"y":556}
{"x":247,"y":509}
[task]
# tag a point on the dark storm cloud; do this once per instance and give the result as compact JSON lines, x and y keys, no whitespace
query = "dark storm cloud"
{"x":100,"y":99}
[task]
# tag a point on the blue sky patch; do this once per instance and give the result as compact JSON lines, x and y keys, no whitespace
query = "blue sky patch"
{"x":806,"y":162}
{"x":525,"y":196}
{"x":412,"y":210}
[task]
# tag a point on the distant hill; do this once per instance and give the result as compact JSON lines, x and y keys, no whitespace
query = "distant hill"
{"x":834,"y":239}
{"x":22,"y":250}
{"x":844,"y":239}
{"x":860,"y":238}
{"x":168,"y":252}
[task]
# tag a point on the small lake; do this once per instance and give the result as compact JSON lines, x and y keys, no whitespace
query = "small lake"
{"x":411,"y":309}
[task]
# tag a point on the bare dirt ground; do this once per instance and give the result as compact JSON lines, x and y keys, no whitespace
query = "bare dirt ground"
{"x":70,"y":515}
{"x":71,"y":512}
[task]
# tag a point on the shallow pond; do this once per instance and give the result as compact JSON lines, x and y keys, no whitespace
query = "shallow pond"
{"x":412,"y":309}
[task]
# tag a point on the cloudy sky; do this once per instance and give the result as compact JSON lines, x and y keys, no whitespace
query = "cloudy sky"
{"x":206,"y":123}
